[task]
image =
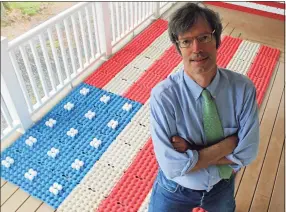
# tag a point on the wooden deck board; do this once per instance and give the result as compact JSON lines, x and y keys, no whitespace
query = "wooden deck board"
{"x":267,"y":94}
{"x":236,"y":33}
{"x":7,"y":191}
{"x":253,"y":27}
{"x":15,"y":201}
{"x":228,"y":29}
{"x":270,"y":166}
{"x":3,"y":182}
{"x":282,"y":57}
{"x":278,"y":196}
{"x":45,"y":208}
{"x":277,"y":44}
{"x":250,"y":178}
{"x":31,"y":204}
{"x":224,"y":24}
{"x":238,"y":179}
{"x":256,"y":188}
{"x":261,"y":113}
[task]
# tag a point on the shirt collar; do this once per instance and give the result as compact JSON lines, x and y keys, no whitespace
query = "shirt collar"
{"x":197,"y":90}
{"x":212,"y":88}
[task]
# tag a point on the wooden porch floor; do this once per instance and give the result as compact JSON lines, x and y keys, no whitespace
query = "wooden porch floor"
{"x":260,"y":186}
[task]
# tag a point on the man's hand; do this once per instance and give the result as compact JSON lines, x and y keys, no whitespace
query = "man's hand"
{"x":215,"y":154}
{"x":198,"y":209}
{"x":181,"y":145}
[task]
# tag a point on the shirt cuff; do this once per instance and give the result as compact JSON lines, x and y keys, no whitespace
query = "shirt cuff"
{"x":238,"y":165}
{"x":234,"y":159}
{"x":194,"y":157}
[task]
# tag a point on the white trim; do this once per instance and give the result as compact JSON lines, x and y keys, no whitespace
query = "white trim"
{"x":47,"y":24}
{"x":261,"y":7}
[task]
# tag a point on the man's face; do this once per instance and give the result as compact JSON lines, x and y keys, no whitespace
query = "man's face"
{"x":199,"y":58}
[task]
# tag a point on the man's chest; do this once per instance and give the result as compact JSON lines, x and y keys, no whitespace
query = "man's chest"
{"x":189,"y":118}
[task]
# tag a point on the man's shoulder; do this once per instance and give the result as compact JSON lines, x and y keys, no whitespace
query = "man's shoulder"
{"x":237,"y":79}
{"x":167,"y":86}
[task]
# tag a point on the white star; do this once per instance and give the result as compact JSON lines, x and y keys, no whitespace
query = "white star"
{"x":127,"y":107}
{"x":50,"y":123}
{"x":69,"y":106}
{"x":105,"y":99}
{"x":89,"y":115}
{"x":31,"y":141}
{"x":84,"y":91}
{"x":72,"y":132}
{"x":95,"y":143}
{"x":112,"y":124}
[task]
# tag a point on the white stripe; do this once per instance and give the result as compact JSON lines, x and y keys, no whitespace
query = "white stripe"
{"x":243,"y":57}
{"x":177,"y":68}
{"x":123,"y":80}
{"x":132,"y":72}
{"x":107,"y":171}
{"x":163,"y":42}
{"x":105,"y":174}
{"x":143,"y":62}
{"x":261,"y":7}
{"x":102,"y":177}
{"x":152,"y":52}
{"x":145,"y":204}
{"x":100,"y":180}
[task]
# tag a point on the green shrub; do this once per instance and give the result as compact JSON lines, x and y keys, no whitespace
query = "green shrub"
{"x":28,"y":8}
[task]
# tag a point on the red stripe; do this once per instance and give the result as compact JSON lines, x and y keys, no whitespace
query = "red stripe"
{"x":123,"y":57}
{"x":140,"y":90}
{"x":140,"y":176}
{"x":227,"y":49}
{"x":248,"y":10}
{"x":271,"y":4}
{"x":130,"y":192}
{"x":261,"y":70}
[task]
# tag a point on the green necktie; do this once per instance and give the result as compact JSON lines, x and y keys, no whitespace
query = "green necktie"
{"x":213,"y":129}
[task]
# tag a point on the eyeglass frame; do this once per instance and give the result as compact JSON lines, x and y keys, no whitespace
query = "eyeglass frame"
{"x":195,"y":38}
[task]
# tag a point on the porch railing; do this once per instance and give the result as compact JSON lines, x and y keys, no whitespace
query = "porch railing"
{"x":37,"y":65}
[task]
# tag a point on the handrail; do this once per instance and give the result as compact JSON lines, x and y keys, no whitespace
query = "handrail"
{"x":38,"y":29}
{"x":42,"y":69}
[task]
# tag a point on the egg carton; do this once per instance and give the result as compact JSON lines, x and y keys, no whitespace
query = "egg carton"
{"x":143,"y":115}
{"x":107,"y":171}
{"x":129,"y":193}
{"x":163,"y":42}
{"x":64,"y":153}
{"x":152,"y":52}
{"x":143,"y":62}
{"x":117,"y":86}
{"x":239,"y":66}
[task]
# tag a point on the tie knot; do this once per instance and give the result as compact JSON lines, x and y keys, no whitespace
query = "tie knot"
{"x":206,"y":94}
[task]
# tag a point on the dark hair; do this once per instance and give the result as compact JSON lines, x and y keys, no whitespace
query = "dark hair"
{"x":185,"y":17}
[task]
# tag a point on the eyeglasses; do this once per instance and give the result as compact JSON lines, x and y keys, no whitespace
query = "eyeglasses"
{"x":205,"y":38}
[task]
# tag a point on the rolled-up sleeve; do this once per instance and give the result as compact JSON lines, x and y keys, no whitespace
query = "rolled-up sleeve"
{"x":248,"y":133}
{"x":163,"y":127}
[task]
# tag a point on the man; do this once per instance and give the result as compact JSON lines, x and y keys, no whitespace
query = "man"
{"x":204,"y":121}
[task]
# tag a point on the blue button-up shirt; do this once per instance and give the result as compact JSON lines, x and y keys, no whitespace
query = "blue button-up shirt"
{"x":176,"y":109}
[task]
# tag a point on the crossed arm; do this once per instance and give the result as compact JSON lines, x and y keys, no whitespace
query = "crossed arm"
{"x":208,"y":155}
{"x":175,"y":164}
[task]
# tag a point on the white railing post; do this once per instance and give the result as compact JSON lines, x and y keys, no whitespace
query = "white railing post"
{"x":156,"y":9}
{"x":104,"y":25}
{"x":11,"y":90}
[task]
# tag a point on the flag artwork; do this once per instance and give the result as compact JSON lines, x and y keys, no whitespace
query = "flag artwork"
{"x":93,"y":151}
